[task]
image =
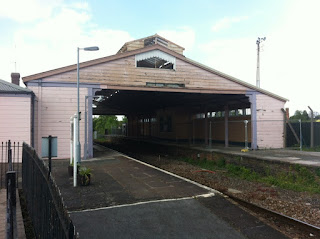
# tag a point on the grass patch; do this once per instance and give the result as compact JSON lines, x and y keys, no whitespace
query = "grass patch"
{"x":305,"y":148}
{"x":314,"y":149}
{"x":299,"y":178}
{"x":242,"y":172}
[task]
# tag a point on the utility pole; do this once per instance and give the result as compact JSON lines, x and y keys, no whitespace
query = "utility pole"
{"x":258,"y":60}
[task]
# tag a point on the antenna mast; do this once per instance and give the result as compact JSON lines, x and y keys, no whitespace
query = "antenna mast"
{"x":258,"y":60}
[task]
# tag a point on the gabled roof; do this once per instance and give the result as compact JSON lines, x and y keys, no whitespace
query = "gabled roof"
{"x":151,"y":40}
{"x":7,"y":87}
{"x":146,"y":49}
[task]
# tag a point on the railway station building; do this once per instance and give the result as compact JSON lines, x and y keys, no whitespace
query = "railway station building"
{"x":164,"y":95}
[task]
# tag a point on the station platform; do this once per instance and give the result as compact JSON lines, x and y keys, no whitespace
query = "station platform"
{"x":287,"y":155}
{"x":128,"y":198}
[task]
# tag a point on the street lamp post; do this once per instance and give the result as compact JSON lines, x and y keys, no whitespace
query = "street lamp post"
{"x":78,"y":154}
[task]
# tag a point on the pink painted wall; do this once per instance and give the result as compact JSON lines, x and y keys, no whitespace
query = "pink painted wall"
{"x":15,"y":119}
{"x":57,"y":105}
{"x":270,"y":131}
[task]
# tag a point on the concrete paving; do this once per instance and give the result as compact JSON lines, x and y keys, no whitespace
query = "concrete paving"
{"x":156,"y":205}
{"x":3,"y":214}
{"x":291,"y":156}
{"x":185,"y":218}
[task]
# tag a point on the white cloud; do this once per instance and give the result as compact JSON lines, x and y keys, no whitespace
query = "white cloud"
{"x":184,"y":37}
{"x":291,"y":57}
{"x":226,"y":22}
{"x":289,"y":61}
{"x":80,"y":5}
{"x":27,"y":10}
{"x":235,"y":57}
{"x":52,"y":42}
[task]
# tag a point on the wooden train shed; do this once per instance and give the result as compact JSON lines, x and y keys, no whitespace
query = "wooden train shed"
{"x":164,"y":94}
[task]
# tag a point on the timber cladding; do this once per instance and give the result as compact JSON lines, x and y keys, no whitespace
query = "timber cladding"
{"x":53,"y":108}
{"x":270,"y":125}
{"x":15,"y":121}
{"x":123,"y":72}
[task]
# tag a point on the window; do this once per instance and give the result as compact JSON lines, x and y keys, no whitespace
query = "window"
{"x":232,"y":113}
{"x":219,"y":114}
{"x":200,"y":116}
{"x":156,"y":59}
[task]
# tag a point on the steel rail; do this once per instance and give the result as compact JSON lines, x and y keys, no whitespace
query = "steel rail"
{"x":293,"y":221}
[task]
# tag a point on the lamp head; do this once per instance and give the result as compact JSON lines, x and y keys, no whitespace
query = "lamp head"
{"x":91,"y":48}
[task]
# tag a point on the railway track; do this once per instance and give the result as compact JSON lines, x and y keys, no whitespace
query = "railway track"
{"x":290,"y":226}
{"x":300,"y":227}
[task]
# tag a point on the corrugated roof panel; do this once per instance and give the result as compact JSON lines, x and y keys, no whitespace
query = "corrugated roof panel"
{"x":9,"y":87}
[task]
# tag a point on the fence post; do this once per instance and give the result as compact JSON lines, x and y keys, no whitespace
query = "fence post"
{"x":11,"y":204}
{"x":312,"y":132}
{"x":9,"y":156}
{"x":300,"y":135}
{"x":292,"y":130}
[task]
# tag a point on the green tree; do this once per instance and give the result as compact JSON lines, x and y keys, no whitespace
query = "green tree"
{"x":104,"y":122}
{"x":124,"y":120}
{"x":299,"y":114}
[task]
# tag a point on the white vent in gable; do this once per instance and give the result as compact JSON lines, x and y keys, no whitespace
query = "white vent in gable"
{"x":156,"y":59}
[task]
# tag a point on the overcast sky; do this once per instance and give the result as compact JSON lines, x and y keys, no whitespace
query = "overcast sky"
{"x":40,"y":35}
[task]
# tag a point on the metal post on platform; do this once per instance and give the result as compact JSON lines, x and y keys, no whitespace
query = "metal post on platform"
{"x":85,"y":128}
{"x":76,"y":152}
{"x":246,"y":134}
{"x":300,"y":135}
{"x":193,"y":140}
{"x":71,"y":140}
{"x":210,"y":134}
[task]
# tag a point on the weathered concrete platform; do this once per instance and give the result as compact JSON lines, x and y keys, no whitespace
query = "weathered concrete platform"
{"x":129,"y":199}
{"x":311,"y":159}
{"x":290,"y":156}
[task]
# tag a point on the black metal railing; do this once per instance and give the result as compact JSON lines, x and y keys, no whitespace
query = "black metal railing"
{"x":44,"y":202}
{"x":10,"y":160}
